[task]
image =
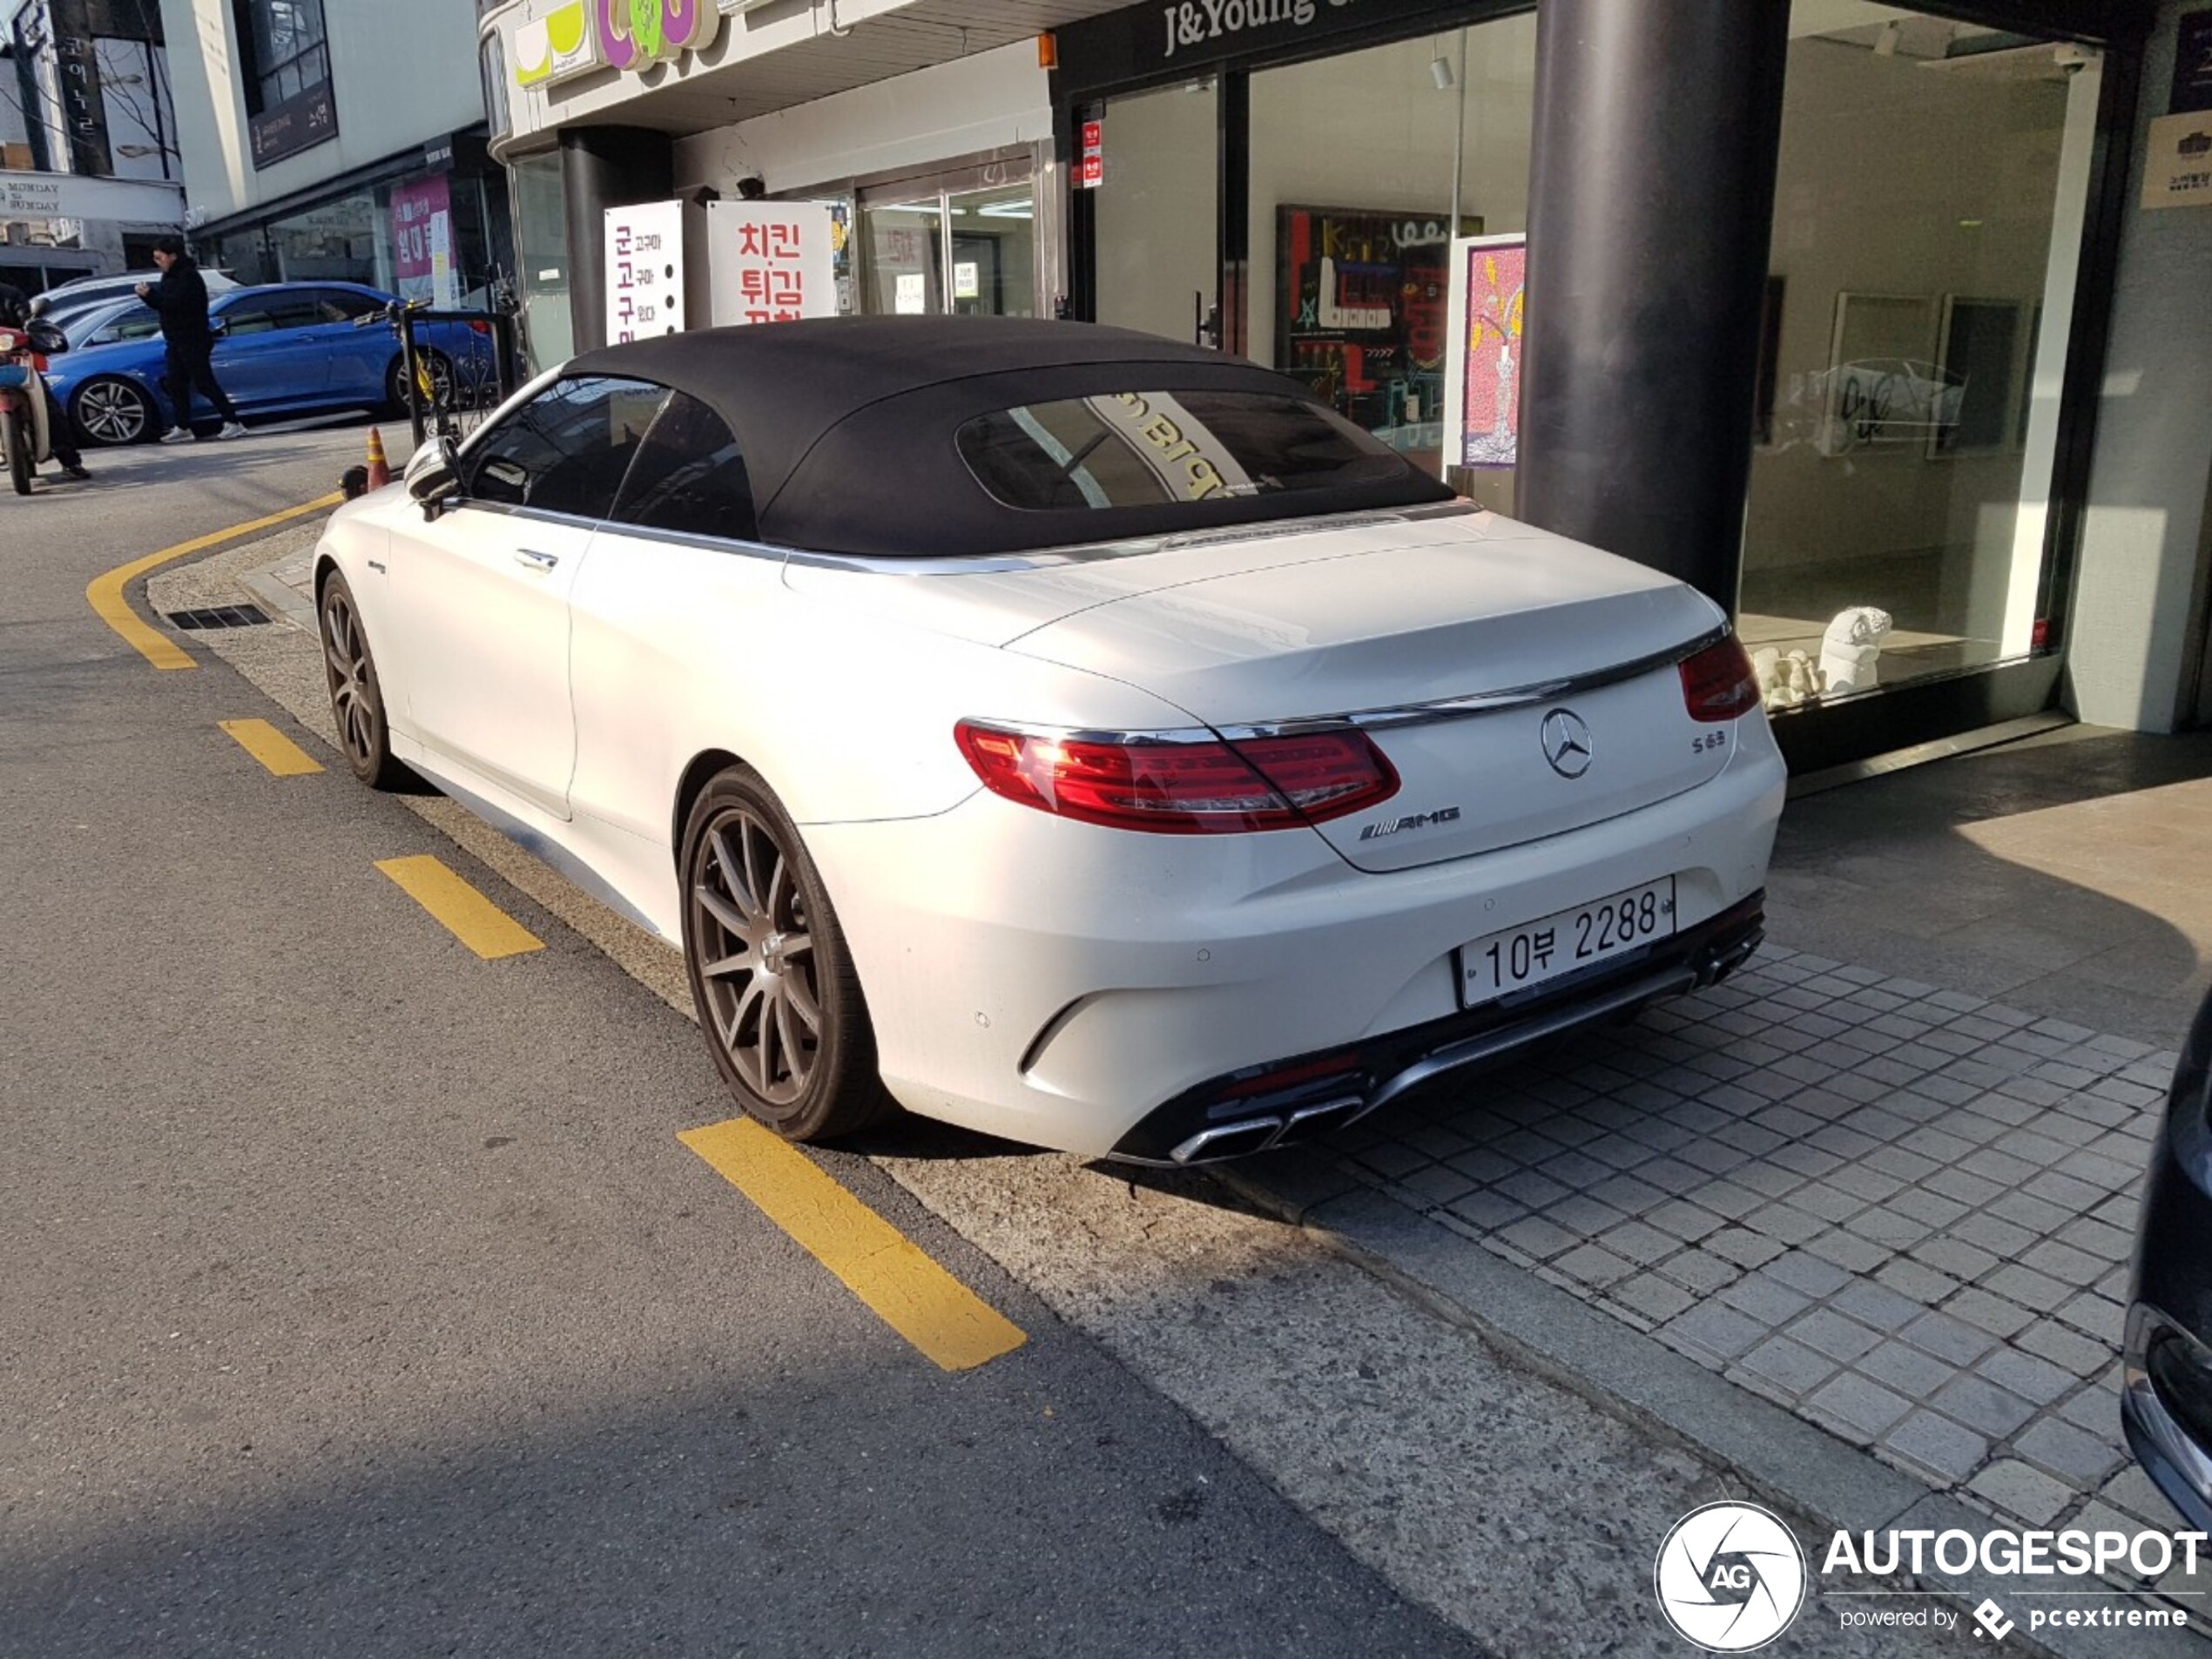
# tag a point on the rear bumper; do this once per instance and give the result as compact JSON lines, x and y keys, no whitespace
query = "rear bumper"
{"x":1303,"y":1095}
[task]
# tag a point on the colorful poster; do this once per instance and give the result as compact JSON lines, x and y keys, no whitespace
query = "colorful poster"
{"x":1482,"y":409}
{"x":421,"y":226}
{"x":1360,"y":317}
{"x":772,"y":261}
{"x":644,"y":271}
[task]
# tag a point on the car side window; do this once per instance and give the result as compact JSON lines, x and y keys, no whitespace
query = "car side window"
{"x":566,"y":450}
{"x":338,"y":305}
{"x":688,"y":476}
{"x":268,"y":315}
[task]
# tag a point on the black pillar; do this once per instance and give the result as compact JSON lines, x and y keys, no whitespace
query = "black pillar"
{"x":1651,"y":204}
{"x":603,"y":167}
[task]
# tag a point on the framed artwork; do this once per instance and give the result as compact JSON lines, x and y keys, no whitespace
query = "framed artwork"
{"x":1980,"y":351}
{"x":1883,"y":388}
{"x":1482,"y":397}
{"x":1360,"y":314}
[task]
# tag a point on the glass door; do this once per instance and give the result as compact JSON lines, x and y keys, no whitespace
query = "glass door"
{"x":963,"y":242}
{"x":994,"y":252}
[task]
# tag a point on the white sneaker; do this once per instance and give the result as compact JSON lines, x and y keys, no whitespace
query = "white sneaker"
{"x":232,"y":429}
{"x":178,"y":434}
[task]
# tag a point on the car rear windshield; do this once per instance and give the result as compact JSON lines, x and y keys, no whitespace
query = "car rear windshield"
{"x":1155,"y":449}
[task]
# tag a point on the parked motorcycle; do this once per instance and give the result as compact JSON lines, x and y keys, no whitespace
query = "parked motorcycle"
{"x":26,"y":429}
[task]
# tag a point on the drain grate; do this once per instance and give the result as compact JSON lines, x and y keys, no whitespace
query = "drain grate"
{"x":219,"y":617}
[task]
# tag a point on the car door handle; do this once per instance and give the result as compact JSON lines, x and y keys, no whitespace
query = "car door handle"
{"x":536,"y":561}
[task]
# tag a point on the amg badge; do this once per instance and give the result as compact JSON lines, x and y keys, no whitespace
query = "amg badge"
{"x":1419,"y":821}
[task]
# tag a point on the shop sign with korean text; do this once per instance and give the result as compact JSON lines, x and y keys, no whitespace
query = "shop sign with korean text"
{"x":422,"y":241}
{"x":2177,"y":161}
{"x":299,"y":123}
{"x":645,"y":271}
{"x":771,"y":261}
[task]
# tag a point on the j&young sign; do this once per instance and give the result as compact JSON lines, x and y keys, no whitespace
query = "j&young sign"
{"x":1199,"y":23}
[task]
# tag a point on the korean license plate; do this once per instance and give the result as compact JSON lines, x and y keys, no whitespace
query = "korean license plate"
{"x":1561,"y":943}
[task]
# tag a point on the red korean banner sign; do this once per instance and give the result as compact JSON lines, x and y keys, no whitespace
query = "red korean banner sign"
{"x":772,"y":261}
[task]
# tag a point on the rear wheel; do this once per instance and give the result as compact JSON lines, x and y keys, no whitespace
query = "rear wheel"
{"x":15,"y":437}
{"x":771,"y":979}
{"x":356,"y":694}
{"x":433,"y":373}
{"x":112,"y":411}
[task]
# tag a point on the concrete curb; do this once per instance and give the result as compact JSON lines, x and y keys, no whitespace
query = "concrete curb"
{"x":1781,"y":1457}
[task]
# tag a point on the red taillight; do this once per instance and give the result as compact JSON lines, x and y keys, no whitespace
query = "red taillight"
{"x":479,"y":327}
{"x":1198,"y":788}
{"x":1719,"y":683}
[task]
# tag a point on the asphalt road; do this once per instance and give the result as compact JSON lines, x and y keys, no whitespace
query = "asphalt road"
{"x":359,"y":1298}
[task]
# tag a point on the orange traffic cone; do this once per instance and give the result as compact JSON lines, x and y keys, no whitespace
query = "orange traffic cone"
{"x":380,"y":471}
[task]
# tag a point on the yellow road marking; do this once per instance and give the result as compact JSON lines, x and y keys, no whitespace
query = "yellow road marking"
{"x":470,"y":917}
{"x":272,"y":748}
{"x":908,"y":1291}
{"x":105,"y":592}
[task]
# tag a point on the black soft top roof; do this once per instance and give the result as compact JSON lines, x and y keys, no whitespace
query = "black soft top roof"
{"x":846,"y":425}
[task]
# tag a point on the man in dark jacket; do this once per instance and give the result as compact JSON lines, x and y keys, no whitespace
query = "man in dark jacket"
{"x":15,"y":313}
{"x":180,"y":300}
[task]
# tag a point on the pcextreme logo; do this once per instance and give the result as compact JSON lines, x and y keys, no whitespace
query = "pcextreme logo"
{"x":1729,"y":1577}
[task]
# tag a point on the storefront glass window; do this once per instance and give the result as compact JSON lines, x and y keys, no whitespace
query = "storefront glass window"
{"x":345,"y":240}
{"x":1155,"y":201}
{"x":1932,"y":182}
{"x":1361,"y":164}
{"x":542,"y":251}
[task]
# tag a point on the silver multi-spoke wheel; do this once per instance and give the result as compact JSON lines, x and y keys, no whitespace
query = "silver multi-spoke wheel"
{"x":771,"y":976}
{"x":356,"y":698}
{"x":112,"y":412}
{"x":758,"y":958}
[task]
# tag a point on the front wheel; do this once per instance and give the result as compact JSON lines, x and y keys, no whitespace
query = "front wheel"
{"x":771,"y":979}
{"x":356,"y":694}
{"x":113,"y":411}
{"x":15,"y":437}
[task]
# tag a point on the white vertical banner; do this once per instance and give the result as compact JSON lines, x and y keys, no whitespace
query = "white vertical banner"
{"x":644,"y":271}
{"x":771,"y":261}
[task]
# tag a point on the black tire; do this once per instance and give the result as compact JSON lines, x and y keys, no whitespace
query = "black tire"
{"x":356,"y":695}
{"x":15,"y":435}
{"x":113,"y":411}
{"x":771,"y":979}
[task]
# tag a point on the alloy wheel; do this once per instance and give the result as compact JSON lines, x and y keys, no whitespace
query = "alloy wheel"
{"x":111,"y":413}
{"x":756,"y":954}
{"x":345,"y":655}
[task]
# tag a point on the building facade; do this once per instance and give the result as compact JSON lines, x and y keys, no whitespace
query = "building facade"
{"x":89,"y":167}
{"x":335,"y":140}
{"x":1885,"y":325}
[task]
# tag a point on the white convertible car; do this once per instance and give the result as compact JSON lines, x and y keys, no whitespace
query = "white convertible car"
{"x":1057,"y":731}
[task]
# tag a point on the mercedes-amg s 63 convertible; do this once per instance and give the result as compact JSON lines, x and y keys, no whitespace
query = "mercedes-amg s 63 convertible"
{"x":1058,"y":731}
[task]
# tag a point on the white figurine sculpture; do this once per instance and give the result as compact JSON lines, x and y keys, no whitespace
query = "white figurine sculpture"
{"x":1850,"y":651}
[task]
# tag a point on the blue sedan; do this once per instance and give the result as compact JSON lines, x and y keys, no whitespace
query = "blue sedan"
{"x":283,"y":349}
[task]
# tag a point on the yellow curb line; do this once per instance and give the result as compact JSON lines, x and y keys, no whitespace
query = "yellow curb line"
{"x":908,"y":1291}
{"x":284,"y":758}
{"x":465,"y":912}
{"x":105,"y":592}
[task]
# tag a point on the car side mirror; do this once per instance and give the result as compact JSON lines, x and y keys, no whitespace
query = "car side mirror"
{"x":219,"y":326}
{"x":46,"y":339}
{"x":432,"y":476}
